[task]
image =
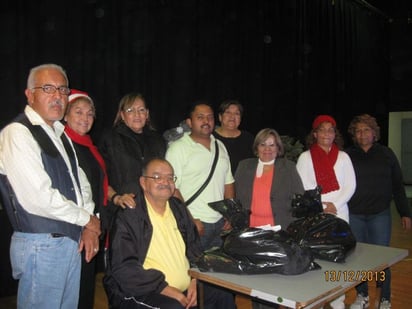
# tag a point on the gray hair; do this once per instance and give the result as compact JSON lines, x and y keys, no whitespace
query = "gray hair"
{"x":33,"y":72}
{"x":263,"y":135}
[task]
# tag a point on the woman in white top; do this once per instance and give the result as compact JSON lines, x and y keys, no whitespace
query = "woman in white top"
{"x":326,"y":165}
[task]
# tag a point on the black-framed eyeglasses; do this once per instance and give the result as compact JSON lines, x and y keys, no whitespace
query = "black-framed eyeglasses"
{"x":50,"y":89}
{"x":160,"y":178}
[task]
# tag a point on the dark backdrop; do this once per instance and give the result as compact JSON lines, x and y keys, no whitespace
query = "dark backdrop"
{"x":285,"y":60}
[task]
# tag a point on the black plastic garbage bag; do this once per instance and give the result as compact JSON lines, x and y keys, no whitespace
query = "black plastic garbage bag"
{"x":329,"y":237}
{"x":216,"y":260}
{"x":307,"y":204}
{"x":232,"y":211}
{"x":257,"y":251}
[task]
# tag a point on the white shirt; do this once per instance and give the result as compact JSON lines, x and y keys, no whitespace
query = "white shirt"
{"x":345,"y":175}
{"x":20,"y":160}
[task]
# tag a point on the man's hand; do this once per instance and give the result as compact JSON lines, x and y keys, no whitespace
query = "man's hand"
{"x":192,"y":294}
{"x":200,"y":227}
{"x":90,"y":243}
{"x":227,"y":226}
{"x":94,"y":225}
{"x":172,"y":292}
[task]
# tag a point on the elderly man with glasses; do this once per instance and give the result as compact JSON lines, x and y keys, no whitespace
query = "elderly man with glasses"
{"x":47,"y":197}
{"x":152,"y":247}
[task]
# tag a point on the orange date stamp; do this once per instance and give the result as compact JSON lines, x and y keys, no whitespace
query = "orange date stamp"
{"x":354,"y":275}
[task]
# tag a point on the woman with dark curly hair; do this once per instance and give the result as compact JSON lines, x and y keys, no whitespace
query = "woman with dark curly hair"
{"x":379,"y":180}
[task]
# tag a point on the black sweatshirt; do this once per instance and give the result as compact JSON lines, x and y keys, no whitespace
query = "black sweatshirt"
{"x":378,"y":181}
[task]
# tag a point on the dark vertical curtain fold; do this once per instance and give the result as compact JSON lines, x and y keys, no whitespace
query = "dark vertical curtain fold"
{"x":343,"y":58}
{"x":285,"y":60}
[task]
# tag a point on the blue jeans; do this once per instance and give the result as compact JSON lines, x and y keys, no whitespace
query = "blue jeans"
{"x":374,"y":229}
{"x":211,"y":237}
{"x":48,"y":270}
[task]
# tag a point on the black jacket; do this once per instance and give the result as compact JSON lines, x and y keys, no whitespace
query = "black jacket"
{"x":129,"y":242}
{"x":378,"y":181}
{"x":125,"y":152}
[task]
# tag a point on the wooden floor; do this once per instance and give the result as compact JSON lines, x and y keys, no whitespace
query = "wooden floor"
{"x":401,"y":279}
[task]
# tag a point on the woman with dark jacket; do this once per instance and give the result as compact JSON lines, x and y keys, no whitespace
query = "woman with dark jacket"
{"x":131,"y":142}
{"x":266,"y":184}
{"x":378,"y":181}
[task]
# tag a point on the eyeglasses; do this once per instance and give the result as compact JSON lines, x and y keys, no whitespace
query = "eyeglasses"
{"x":50,"y":89}
{"x":234,"y":114}
{"x":131,"y":110}
{"x":159,"y":178}
{"x":271,"y":145}
{"x":364,"y":131}
{"x":326,"y":131}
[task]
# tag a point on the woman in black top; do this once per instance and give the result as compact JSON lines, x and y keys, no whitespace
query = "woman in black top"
{"x":237,"y":142}
{"x":378,"y":182}
{"x":131,"y":142}
{"x":79,"y":119}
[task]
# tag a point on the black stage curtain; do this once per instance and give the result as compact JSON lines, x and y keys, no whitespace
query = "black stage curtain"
{"x":344,"y":60}
{"x":8,"y":286}
{"x":285,"y":60}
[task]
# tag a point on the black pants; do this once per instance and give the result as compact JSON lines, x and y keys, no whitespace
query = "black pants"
{"x":87,"y":283}
{"x":214,"y":298}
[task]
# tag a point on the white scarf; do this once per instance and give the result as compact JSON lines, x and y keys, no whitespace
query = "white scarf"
{"x":259,"y":169}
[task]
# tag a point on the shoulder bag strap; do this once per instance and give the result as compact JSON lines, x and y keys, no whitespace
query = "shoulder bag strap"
{"x":194,"y":196}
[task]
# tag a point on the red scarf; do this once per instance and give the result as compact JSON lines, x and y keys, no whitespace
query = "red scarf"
{"x":323,"y":164}
{"x":85,"y":140}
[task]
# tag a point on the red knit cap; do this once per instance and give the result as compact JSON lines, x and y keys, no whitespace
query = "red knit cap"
{"x":323,"y":118}
{"x":75,"y":94}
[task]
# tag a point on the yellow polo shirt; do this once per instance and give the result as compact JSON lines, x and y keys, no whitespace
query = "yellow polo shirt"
{"x":167,"y":250}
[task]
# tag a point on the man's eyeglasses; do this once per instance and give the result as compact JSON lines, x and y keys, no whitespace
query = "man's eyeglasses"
{"x":50,"y":89}
{"x":159,"y":178}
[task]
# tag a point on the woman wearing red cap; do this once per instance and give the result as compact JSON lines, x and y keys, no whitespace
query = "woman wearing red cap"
{"x":326,"y":165}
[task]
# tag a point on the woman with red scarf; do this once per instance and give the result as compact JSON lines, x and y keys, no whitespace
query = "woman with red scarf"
{"x":326,"y":165}
{"x":79,"y":118}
